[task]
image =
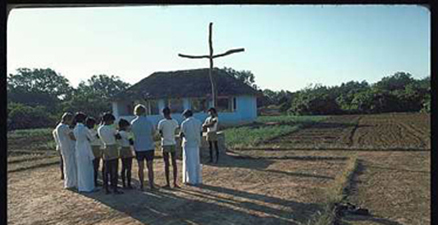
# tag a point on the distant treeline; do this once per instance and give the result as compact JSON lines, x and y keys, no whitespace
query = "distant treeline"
{"x":38,"y":97}
{"x":397,"y":93}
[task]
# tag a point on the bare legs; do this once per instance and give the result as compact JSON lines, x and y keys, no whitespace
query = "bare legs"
{"x":174,"y":166}
{"x":210,"y":145}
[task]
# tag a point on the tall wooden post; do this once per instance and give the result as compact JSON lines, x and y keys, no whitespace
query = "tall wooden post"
{"x":211,"y":56}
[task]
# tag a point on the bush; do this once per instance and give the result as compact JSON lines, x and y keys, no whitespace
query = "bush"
{"x":26,"y":117}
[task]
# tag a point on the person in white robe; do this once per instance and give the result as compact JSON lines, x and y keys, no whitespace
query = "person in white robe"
{"x":64,"y":135}
{"x":84,"y":154}
{"x":58,"y":150}
{"x":191,"y":132}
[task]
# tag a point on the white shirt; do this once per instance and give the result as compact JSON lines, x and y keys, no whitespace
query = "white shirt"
{"x":167,"y":128}
{"x":96,"y":141}
{"x":107,"y":134}
{"x":124,"y":142}
{"x":191,"y":128}
{"x":209,"y":120}
{"x":63,"y":140}
{"x":56,"y":139}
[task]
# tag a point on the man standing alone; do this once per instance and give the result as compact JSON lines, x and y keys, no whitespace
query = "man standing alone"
{"x":144,"y":147}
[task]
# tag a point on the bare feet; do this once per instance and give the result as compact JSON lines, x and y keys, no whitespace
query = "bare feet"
{"x":176,"y":185}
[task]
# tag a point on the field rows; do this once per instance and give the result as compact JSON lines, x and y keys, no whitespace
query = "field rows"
{"x":385,"y":131}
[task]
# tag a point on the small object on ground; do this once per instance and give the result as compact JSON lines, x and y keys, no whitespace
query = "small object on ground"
{"x":348,"y":208}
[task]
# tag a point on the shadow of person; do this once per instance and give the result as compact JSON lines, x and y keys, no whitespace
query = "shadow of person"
{"x":196,"y":205}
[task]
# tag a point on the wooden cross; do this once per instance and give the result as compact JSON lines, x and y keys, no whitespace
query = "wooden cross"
{"x":211,"y":57}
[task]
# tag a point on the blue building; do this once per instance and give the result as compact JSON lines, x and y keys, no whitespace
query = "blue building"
{"x":190,"y":89}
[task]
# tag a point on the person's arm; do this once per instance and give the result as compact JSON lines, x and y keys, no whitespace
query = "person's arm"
{"x":117,"y":134}
{"x":181,"y":132}
{"x":159,"y":128}
{"x":56,"y":139}
{"x":90,"y":135}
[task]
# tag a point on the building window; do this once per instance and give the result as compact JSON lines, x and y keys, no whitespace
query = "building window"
{"x":152,"y":107}
{"x":199,"y":104}
{"x":129,"y":109}
{"x":176,"y":105}
{"x":226,"y":104}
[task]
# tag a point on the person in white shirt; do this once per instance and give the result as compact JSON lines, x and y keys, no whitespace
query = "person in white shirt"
{"x":211,"y":123}
{"x":167,"y":128}
{"x":84,"y":155}
{"x":107,"y":134}
{"x":96,"y":147}
{"x":191,"y":132}
{"x":65,"y":138}
{"x":125,"y":152}
{"x":58,"y":150}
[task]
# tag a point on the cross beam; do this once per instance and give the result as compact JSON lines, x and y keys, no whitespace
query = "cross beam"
{"x":211,"y":57}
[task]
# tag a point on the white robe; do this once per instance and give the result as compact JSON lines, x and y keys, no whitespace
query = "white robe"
{"x":192,"y":171}
{"x":66,"y":146}
{"x":84,"y":158}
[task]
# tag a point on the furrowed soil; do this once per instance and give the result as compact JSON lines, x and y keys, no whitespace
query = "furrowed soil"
{"x":283,"y":181}
{"x":361,"y":132}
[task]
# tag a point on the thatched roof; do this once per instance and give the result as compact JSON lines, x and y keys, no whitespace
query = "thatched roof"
{"x":186,"y":83}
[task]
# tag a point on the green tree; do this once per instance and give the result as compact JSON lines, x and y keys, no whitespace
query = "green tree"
{"x":245,"y":76}
{"x":38,"y":87}
{"x":94,"y":96}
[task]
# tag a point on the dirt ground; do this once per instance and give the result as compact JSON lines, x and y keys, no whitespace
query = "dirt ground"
{"x":396,"y":131}
{"x":235,"y":191}
{"x":253,"y":186}
{"x":394,"y":186}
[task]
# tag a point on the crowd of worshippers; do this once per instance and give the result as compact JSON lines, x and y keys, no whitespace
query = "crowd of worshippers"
{"x":83,"y":142}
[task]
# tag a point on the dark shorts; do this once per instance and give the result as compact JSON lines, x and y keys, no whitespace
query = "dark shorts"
{"x":148,"y":155}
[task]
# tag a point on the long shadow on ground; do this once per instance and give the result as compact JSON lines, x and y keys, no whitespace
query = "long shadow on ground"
{"x":205,"y":205}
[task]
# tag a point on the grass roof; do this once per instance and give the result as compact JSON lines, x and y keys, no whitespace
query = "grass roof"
{"x":186,"y":83}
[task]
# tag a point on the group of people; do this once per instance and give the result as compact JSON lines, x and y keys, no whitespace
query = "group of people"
{"x":83,"y":142}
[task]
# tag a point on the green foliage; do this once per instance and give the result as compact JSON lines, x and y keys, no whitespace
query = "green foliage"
{"x":245,"y":76}
{"x":93,"y":97}
{"x":396,"y":93}
{"x":22,"y":116}
{"x":38,"y":97}
{"x":262,"y":130}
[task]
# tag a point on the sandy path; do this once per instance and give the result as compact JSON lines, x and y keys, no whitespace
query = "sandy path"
{"x":236,"y":191}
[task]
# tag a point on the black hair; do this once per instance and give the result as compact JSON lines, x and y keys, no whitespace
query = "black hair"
{"x":90,"y":122}
{"x":80,"y":117}
{"x":187,"y":113}
{"x":123,"y":123}
{"x":212,"y":109}
{"x":108,"y":117}
{"x":166,"y":111}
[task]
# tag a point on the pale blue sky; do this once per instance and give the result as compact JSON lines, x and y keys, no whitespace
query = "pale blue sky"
{"x":286,"y":47}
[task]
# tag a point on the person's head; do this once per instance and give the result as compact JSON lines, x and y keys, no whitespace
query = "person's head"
{"x":108,"y":118}
{"x":123,"y":124}
{"x":67,"y":117}
{"x":187,"y":113}
{"x":212,"y":112}
{"x":166,"y":112}
{"x":139,"y":110}
{"x":90,"y":122}
{"x":80,"y":117}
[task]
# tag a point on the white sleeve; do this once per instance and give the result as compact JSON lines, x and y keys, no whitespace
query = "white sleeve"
{"x":56,"y":139}
{"x":90,"y":135}
{"x":160,"y":125}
